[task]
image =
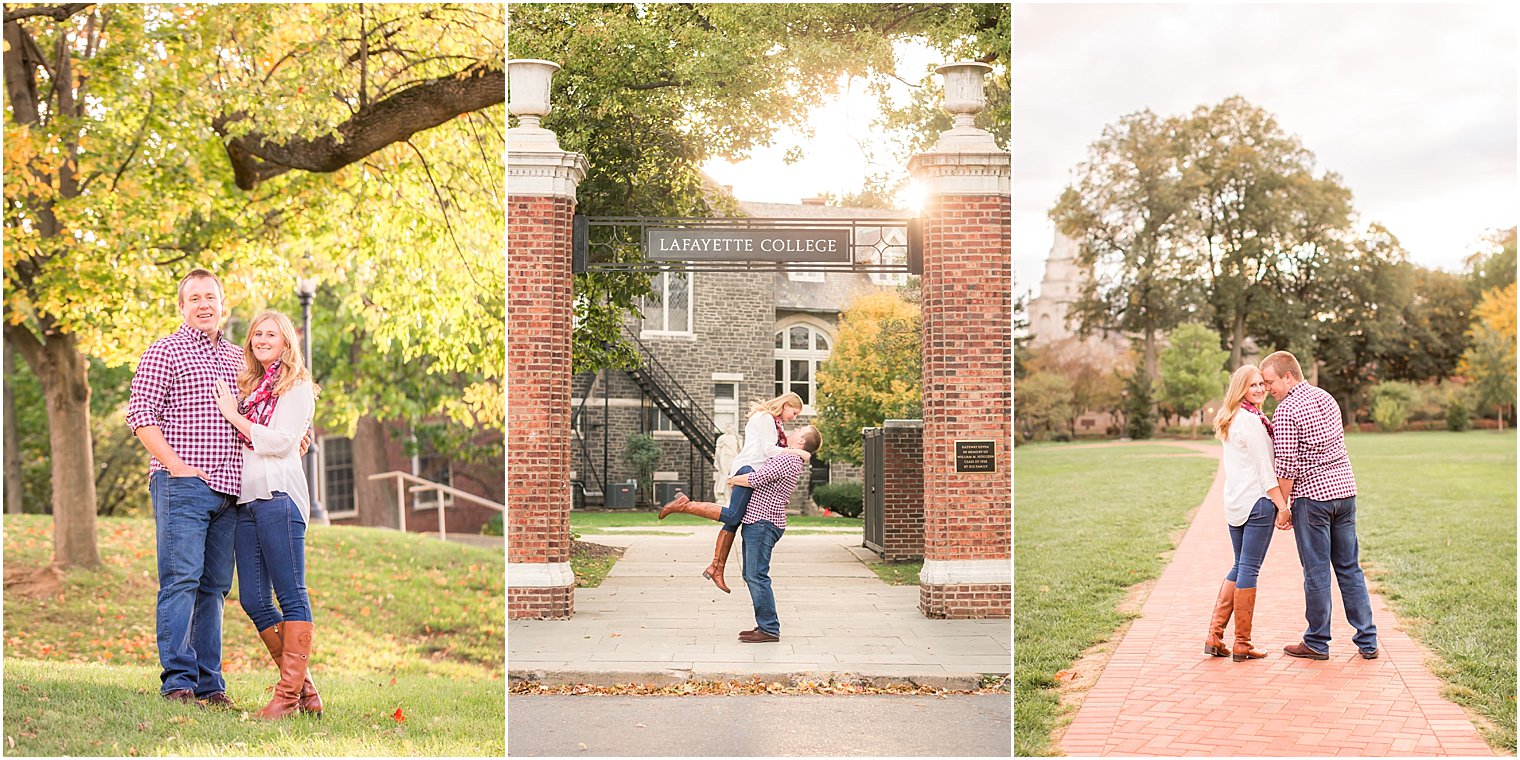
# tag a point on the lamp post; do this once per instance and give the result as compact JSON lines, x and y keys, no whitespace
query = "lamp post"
{"x":306,"y":289}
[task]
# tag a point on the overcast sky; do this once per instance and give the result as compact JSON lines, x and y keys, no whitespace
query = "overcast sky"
{"x":1413,"y":105}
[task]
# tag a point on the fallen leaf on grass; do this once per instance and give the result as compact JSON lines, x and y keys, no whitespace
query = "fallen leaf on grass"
{"x":397,"y":716}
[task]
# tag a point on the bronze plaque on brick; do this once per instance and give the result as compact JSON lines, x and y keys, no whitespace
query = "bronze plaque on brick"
{"x":705,"y":244}
{"x":976,"y":456}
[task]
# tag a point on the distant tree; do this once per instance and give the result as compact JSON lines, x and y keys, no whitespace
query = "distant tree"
{"x":872,"y":375}
{"x":1192,"y":369}
{"x":1042,"y":402}
{"x":1259,"y":202}
{"x":642,"y":453}
{"x":1127,"y":207}
{"x":1360,"y":318}
{"x":1391,"y":401}
{"x":1493,"y":267}
{"x":1433,"y":328}
{"x":1139,"y":409}
{"x":1490,"y":362}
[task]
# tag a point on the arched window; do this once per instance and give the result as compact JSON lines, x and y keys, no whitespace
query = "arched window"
{"x":800,"y":348}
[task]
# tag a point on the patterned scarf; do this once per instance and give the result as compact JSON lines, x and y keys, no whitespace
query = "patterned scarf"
{"x":780,"y":432}
{"x":1250,"y":407}
{"x":259,"y":406}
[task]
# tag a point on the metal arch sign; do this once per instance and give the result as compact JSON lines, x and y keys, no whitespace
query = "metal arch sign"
{"x":781,"y":245}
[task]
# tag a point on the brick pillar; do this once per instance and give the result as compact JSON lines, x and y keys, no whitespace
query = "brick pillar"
{"x":902,"y":492}
{"x":967,"y":361}
{"x":541,"y":183}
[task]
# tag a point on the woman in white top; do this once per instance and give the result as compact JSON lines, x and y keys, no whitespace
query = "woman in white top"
{"x":270,"y":540}
{"x":764,"y":437}
{"x":1252,"y":501}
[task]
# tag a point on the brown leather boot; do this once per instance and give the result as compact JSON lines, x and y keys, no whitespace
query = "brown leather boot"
{"x":682,"y":504}
{"x":1214,"y":644}
{"x":311,"y":701}
{"x":714,"y":572}
{"x":295,"y":641}
{"x":1245,"y":609}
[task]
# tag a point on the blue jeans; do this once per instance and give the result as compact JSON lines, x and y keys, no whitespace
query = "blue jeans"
{"x":759,"y":540}
{"x":194,"y":530}
{"x":738,"y":501}
{"x":271,"y":554}
{"x":1326,"y":535}
{"x":1250,"y":540}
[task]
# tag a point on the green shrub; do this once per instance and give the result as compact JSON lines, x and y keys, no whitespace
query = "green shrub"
{"x":493,"y":526}
{"x":1390,"y":414}
{"x":1458,"y":416}
{"x":1391,"y":402}
{"x":642,"y":453}
{"x":847,"y":497}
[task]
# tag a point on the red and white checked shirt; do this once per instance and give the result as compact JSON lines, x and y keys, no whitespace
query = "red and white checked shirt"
{"x":1309,"y":445}
{"x":173,"y":389}
{"x":773,"y":482}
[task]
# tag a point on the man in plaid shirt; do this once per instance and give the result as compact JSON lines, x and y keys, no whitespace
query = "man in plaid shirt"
{"x":193,"y":479}
{"x":764,"y":522}
{"x":1313,"y":468}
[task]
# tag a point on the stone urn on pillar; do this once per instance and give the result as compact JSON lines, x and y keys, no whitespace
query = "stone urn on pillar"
{"x":965,"y":97}
{"x":528,"y":82}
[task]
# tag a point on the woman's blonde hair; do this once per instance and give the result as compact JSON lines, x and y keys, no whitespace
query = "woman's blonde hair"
{"x":1240,"y":382}
{"x":774,"y":406}
{"x":293,"y":367}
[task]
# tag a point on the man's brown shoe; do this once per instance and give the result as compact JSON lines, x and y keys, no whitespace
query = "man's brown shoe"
{"x":749,"y":632}
{"x":758,"y":637}
{"x":1370,"y":655}
{"x":1301,"y":650}
{"x":180,"y":695}
{"x":219,"y":700}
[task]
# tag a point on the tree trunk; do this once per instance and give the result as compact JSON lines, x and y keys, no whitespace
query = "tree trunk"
{"x":13,"y":475}
{"x":374,"y":499}
{"x":1237,"y":337}
{"x":64,"y":374}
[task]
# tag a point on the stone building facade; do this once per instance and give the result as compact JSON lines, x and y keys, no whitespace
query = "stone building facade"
{"x":728,"y":338}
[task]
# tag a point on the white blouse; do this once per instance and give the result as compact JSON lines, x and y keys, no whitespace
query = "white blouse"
{"x":1248,"y":473}
{"x":759,"y":442}
{"x":274,"y":464}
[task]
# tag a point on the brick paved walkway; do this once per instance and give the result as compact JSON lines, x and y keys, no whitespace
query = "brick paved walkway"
{"x":1160,"y":695}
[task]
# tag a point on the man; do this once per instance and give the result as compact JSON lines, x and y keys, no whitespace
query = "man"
{"x":764,"y":522}
{"x":1313,"y":469}
{"x":193,"y":479}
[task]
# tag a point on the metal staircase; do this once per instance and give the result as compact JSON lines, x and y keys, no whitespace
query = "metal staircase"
{"x":592,"y":480}
{"x":661,"y":387}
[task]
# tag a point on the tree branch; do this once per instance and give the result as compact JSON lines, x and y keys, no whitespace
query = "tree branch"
{"x":54,"y":12}
{"x":427,"y":104}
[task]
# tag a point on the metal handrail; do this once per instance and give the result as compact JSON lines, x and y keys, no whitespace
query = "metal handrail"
{"x":423,"y":485}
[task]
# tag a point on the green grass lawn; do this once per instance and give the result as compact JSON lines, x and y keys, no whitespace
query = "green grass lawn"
{"x":403,"y":622}
{"x":898,"y":573}
{"x":1436,"y":525}
{"x":1078,"y":549}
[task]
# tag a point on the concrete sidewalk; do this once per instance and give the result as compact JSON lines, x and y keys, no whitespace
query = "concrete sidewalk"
{"x":656,"y":620}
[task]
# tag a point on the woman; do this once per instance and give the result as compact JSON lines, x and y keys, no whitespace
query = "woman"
{"x":1252,"y":501}
{"x":278,"y":402}
{"x":764,"y":437}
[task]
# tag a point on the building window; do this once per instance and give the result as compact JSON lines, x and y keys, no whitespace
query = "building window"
{"x":428,"y":464}
{"x":338,"y":476}
{"x":800,"y":348}
{"x":726,"y":407}
{"x":804,"y":276}
{"x":668,"y":310}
